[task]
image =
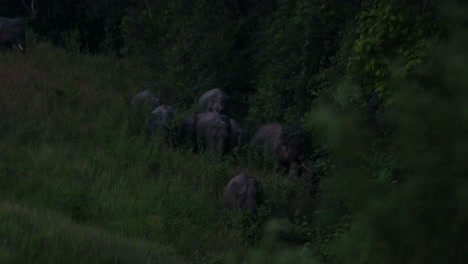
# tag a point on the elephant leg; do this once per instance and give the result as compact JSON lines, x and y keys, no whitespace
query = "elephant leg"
{"x":6,"y":46}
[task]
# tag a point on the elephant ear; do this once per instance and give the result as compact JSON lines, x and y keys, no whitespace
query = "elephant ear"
{"x":254,"y":182}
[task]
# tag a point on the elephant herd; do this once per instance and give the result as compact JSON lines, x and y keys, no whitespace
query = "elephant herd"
{"x":214,"y":129}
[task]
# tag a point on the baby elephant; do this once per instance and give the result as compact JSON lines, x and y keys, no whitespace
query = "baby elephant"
{"x":241,"y":193}
{"x":214,"y":100}
{"x":160,"y":118}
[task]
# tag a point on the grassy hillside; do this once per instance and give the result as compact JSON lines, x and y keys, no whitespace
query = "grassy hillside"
{"x":379,"y":86}
{"x":34,"y":236}
{"x":80,"y":178}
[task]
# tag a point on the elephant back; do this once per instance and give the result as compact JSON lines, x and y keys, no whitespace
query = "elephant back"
{"x":285,"y":152}
{"x":145,"y":98}
{"x":214,"y":100}
{"x":269,"y":134}
{"x":241,"y":193}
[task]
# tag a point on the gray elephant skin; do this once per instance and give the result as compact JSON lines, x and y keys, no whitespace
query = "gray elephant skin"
{"x":239,"y":136}
{"x":12,"y":32}
{"x":214,"y":131}
{"x":145,"y":99}
{"x":285,"y":153}
{"x":188,"y":132}
{"x":241,"y":193}
{"x":214,"y":100}
{"x":160,"y":119}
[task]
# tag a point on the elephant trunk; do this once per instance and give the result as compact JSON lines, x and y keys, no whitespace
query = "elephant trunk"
{"x":251,"y":199}
{"x":252,"y":205}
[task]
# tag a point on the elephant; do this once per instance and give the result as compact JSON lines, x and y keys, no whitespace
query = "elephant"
{"x":160,"y":118}
{"x":142,"y":104}
{"x":239,"y":136}
{"x":144,"y":98}
{"x":214,"y":100}
{"x":188,"y":132}
{"x":242,"y":193}
{"x":214,"y":131}
{"x":12,"y":32}
{"x":285,"y":153}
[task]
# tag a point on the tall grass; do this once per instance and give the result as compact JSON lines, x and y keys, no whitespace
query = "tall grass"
{"x":74,"y":154}
{"x":34,"y":236}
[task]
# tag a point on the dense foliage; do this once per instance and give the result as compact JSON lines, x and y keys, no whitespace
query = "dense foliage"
{"x":372,"y":91}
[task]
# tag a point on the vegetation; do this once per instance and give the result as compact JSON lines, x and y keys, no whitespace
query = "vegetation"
{"x":374,"y":92}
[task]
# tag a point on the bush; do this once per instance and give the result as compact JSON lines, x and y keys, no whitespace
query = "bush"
{"x":412,"y":215}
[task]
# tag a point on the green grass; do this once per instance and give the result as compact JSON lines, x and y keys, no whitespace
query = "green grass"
{"x":37,"y":236}
{"x":81,"y":181}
